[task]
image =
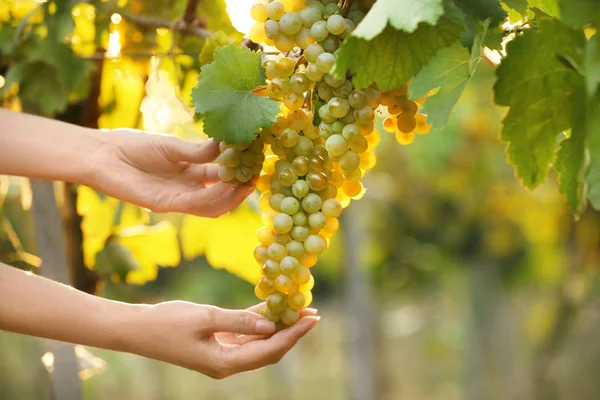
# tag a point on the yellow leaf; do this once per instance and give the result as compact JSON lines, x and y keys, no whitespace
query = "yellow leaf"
{"x":132,"y":215}
{"x":97,"y":221}
{"x":151,"y":246}
{"x":227,"y":242}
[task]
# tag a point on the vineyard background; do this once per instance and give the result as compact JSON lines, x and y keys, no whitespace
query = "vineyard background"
{"x":468,"y":285}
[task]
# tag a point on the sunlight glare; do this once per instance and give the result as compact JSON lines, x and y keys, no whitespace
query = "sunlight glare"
{"x":114,"y":44}
{"x":239,"y":14}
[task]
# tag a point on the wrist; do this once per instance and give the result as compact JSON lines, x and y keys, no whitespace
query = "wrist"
{"x":126,"y":327}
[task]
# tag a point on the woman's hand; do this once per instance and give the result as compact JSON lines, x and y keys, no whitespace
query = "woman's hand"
{"x":163,"y":173}
{"x":211,"y":340}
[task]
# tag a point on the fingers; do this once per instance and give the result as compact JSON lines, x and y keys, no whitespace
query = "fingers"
{"x":259,"y":353}
{"x":194,"y":153}
{"x":205,"y":173}
{"x":215,"y":200}
{"x":237,"y":321}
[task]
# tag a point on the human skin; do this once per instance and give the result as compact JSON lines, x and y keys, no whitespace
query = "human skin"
{"x":160,"y":173}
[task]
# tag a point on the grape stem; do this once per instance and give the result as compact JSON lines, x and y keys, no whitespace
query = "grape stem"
{"x":346,"y":7}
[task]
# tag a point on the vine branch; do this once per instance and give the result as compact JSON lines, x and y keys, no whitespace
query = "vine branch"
{"x":189,"y":16}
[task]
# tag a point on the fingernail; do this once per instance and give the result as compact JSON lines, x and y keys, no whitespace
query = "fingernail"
{"x":265,"y":326}
{"x":314,"y":310}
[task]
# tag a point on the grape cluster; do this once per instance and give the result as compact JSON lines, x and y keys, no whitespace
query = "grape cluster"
{"x":404,"y":120}
{"x":318,"y":150}
{"x":242,"y":162}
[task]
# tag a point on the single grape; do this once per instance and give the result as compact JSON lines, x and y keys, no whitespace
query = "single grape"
{"x":289,"y":137}
{"x":283,"y":223}
{"x":258,"y":33}
{"x":405,"y":138}
{"x":334,"y":81}
{"x":276,"y":251}
{"x":330,"y":43}
{"x":313,"y":73}
{"x":296,"y":301}
{"x":284,"y":43}
{"x":338,"y":107}
{"x":300,"y":168}
{"x":325,"y":115}
{"x":277,"y":302}
{"x":287,"y":177}
{"x":300,"y":219}
{"x":311,"y":203}
{"x":261,"y":254}
{"x":329,"y":192}
{"x":353,"y":175}
{"x":325,"y":61}
{"x":336,"y":24}
{"x":319,"y":31}
{"x":348,"y":118}
{"x":406,"y":123}
{"x":356,"y":16}
{"x":275,"y":10}
{"x":336,"y":145}
{"x":283,"y":238}
{"x":337,"y":127}
{"x":332,"y":9}
{"x":356,"y":98}
{"x":274,"y":317}
{"x":281,"y":86}
{"x":310,"y":15}
{"x":314,"y":244}
{"x":349,"y":160}
{"x":358,"y":144}
{"x":265,"y":235}
{"x":226,"y":174}
{"x":285,"y":67}
{"x":325,"y":91}
{"x":299,"y":83}
{"x":290,"y":205}
{"x":302,"y":275}
{"x":332,"y":208}
{"x":350,"y":26}
{"x":262,"y":295}
{"x":317,"y":220}
{"x":293,"y":101}
{"x":286,"y":284}
{"x":271,"y":269}
{"x":308,"y":260}
{"x":290,"y":316}
{"x":364,"y":115}
{"x":258,"y":12}
{"x":312,"y":52}
{"x":290,"y":23}
{"x":344,"y":90}
{"x":372,"y":97}
{"x":272,"y":30}
{"x":304,"y":147}
{"x":367,"y":160}
{"x":303,"y":38}
{"x":295,"y":248}
{"x":275,"y":201}
{"x":289,"y":265}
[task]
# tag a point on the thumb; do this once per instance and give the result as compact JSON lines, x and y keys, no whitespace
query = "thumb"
{"x":194,"y":153}
{"x":240,"y":321}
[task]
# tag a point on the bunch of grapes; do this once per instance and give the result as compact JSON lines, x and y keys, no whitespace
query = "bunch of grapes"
{"x":317,"y":151}
{"x":404,"y":120}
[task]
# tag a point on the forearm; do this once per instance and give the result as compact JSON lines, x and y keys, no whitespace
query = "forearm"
{"x":36,"y":306}
{"x":44,"y":148}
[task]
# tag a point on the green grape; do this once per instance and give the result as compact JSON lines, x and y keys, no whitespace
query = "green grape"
{"x":330,"y":43}
{"x":300,"y":168}
{"x":283,"y":42}
{"x":259,"y":293}
{"x":287,"y":177}
{"x":283,"y":238}
{"x":265,"y":235}
{"x":296,"y":301}
{"x":300,"y":219}
{"x":258,"y":12}
{"x":257,"y":33}
{"x":313,"y":73}
{"x":338,"y":107}
{"x":243,"y":174}
{"x":315,"y":4}
{"x":308,"y":286}
{"x":325,"y":91}
{"x":316,"y":162}
{"x":285,"y":67}
{"x":289,"y":265}
{"x":329,"y":192}
{"x":356,"y":16}
{"x":311,"y":203}
{"x":282,"y":165}
{"x":364,"y":115}
{"x":275,"y":10}
{"x":295,"y":248}
{"x":312,"y":52}
{"x":304,"y":147}
{"x":271,"y":269}
{"x":270,"y":315}
{"x":325,"y":62}
{"x":276,"y":200}
{"x":314,"y":244}
{"x":336,"y":145}
{"x":276,"y":251}
{"x":272,"y":30}
{"x":290,"y":205}
{"x":349,"y":160}
{"x":325,"y":130}
{"x":334,"y":81}
{"x":289,"y":316}
{"x":256,"y":146}
{"x":356,"y":98}
{"x":319,"y":31}
{"x":336,"y":24}
{"x":350,"y":131}
{"x":331,"y":9}
{"x":317,"y":220}
{"x":299,"y":233}
{"x":358,"y":144}
{"x":337,"y":127}
{"x":325,"y":115}
{"x":277,"y":302}
{"x":348,"y":118}
{"x":302,"y":275}
{"x":261,"y":254}
{"x":353,"y":175}
{"x":280,"y":86}
{"x":290,"y":23}
{"x":247,"y":159}
{"x":226,"y":174}
{"x":372,"y":97}
{"x":332,"y":208}
{"x":316,"y":180}
{"x":310,"y":15}
{"x":344,"y":90}
{"x":283,"y":223}
{"x":350,"y":26}
{"x":267,"y":285}
{"x":230,"y":157}
{"x":299,"y":83}
{"x":303,"y":38}
{"x":300,"y":189}
{"x":289,"y":137}
{"x":286,"y":284}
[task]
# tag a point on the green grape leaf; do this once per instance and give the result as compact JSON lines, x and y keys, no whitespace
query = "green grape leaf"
{"x":231,"y":112}
{"x":592,"y":65}
{"x":550,"y":7}
{"x":448,"y":70}
{"x":580,"y":12}
{"x":483,"y":9}
{"x":592,"y":177}
{"x":518,"y":5}
{"x":210,"y":45}
{"x":394,"y":57}
{"x":570,"y":164}
{"x":539,"y":91}
{"x":404,"y":15}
